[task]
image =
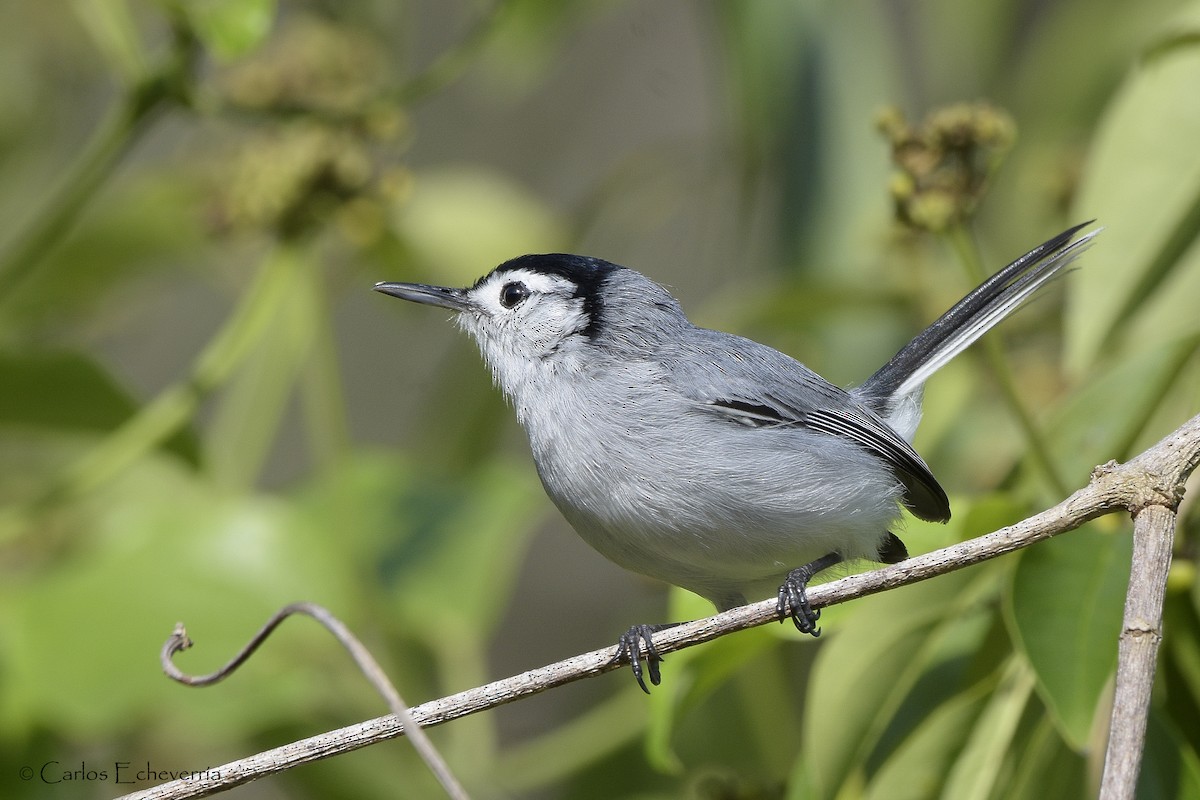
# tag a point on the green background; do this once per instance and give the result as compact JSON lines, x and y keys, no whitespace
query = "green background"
{"x":205,"y":413}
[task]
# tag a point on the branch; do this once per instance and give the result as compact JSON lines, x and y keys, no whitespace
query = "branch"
{"x":1137,"y":652}
{"x":1152,"y":480}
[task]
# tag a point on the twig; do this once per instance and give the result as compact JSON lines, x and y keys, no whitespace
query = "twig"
{"x":362,"y":657}
{"x":1153,"y":479}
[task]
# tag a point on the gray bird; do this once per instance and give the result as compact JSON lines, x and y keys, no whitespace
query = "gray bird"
{"x":704,"y":459}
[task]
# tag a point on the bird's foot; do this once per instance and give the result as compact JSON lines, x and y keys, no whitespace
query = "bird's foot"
{"x":629,"y":647}
{"x":793,"y":595}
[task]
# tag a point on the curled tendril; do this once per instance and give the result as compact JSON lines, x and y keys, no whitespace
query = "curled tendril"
{"x":180,"y":641}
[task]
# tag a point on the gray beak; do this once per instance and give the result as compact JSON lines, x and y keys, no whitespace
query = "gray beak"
{"x":443,"y":296}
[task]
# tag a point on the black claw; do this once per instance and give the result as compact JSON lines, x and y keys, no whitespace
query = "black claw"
{"x":629,"y":648}
{"x":793,"y":603}
{"x":793,"y":595}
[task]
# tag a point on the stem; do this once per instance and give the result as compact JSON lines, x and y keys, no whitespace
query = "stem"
{"x":1137,"y":424}
{"x":321,"y":388}
{"x":162,"y":416}
{"x":117,"y":133}
{"x":123,"y":125}
{"x":450,"y":65}
{"x":253,"y":402}
{"x":993,"y":347}
{"x":1171,"y":251}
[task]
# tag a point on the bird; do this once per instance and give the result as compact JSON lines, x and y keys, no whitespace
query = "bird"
{"x":705,"y":459}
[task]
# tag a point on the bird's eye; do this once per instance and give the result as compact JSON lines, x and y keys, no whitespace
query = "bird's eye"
{"x":513,"y":293}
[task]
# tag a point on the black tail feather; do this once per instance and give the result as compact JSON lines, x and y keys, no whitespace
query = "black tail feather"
{"x":892,"y":375}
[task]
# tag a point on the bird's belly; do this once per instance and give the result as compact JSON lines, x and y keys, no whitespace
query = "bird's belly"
{"x":722,"y":521}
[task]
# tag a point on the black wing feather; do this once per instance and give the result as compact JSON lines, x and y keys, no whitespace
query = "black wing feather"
{"x":923,"y":495}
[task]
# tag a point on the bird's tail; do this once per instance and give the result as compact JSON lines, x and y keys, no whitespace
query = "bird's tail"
{"x":901,"y":378}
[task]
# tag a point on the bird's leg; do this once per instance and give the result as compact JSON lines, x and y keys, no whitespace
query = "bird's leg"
{"x":629,"y":646}
{"x":793,"y":597}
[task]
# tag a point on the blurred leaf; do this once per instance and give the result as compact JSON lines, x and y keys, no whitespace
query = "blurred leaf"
{"x":444,"y":551}
{"x":1170,"y":767}
{"x":1180,"y":397}
{"x":671,"y":699}
{"x":1151,"y":212}
{"x":69,"y":391}
{"x":1047,"y":768}
{"x":851,"y":210}
{"x":176,"y":405}
{"x":466,"y":548}
{"x":81,"y":638}
{"x":462,"y":222}
{"x":1064,"y":609}
{"x":1182,"y":647}
{"x":1103,"y":418}
{"x":556,"y":754}
{"x":977,"y":770}
{"x":148,"y":223}
{"x":1168,"y":315}
{"x":761,"y":48}
{"x":523,"y":36}
{"x":230,"y":28}
{"x":918,"y":767}
{"x":447,"y":549}
{"x":694,"y":675}
{"x":253,"y":406}
{"x":863,"y":673}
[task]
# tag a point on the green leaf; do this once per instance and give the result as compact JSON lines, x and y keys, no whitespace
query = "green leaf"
{"x":253,"y":406}
{"x":71,"y":392}
{"x":1086,"y":430}
{"x":556,"y":754}
{"x":977,"y":770}
{"x":1064,"y":610}
{"x":668,"y":702}
{"x":1143,"y":184}
{"x":1181,"y":650}
{"x":480,"y":539}
{"x":446,"y":547}
{"x":80,"y":642}
{"x":444,"y":551}
{"x":870,"y":664}
{"x":696,"y":673}
{"x":230,"y":28}
{"x":1170,"y":767}
{"x":1046,"y":767}
{"x":918,"y":767}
